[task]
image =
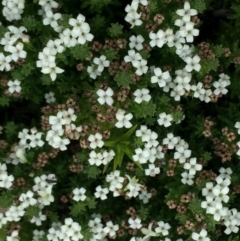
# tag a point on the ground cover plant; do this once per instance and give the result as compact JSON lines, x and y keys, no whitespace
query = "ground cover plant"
{"x":119,"y":120}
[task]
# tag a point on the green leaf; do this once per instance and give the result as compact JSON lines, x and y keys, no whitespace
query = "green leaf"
{"x":10,"y":128}
{"x":115,"y":30}
{"x":110,"y":143}
{"x":4,"y":101}
{"x":78,"y":208}
{"x":126,"y":136}
{"x":129,"y":153}
{"x":3,"y":234}
{"x":92,"y":171}
{"x":207,"y":65}
{"x":80,"y":51}
{"x":91,"y":203}
{"x":30,"y":23}
{"x":27,"y":69}
{"x":199,"y":5}
{"x":109,"y":53}
{"x":32,"y":211}
{"x":119,"y":156}
{"x":123,"y":79}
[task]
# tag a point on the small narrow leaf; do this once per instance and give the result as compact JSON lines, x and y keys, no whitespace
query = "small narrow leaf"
{"x":126,"y":136}
{"x":110,"y":143}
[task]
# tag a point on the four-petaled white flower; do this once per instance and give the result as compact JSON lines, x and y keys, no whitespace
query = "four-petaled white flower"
{"x":105,"y":96}
{"x":165,"y":119}
{"x":79,"y":194}
{"x":202,"y":236}
{"x":101,"y":192}
{"x":53,"y":70}
{"x":14,"y":86}
{"x":186,"y":13}
{"x":123,"y":120}
{"x":96,"y":141}
{"x":192,"y":166}
{"x":101,"y":62}
{"x":142,"y":94}
{"x":192,"y":63}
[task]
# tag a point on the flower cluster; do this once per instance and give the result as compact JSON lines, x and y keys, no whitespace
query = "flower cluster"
{"x":13,"y":9}
{"x":133,"y":17}
{"x":55,"y":136}
{"x":215,"y":196}
{"x":13,"y":46}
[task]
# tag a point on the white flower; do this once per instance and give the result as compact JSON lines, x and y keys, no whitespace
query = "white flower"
{"x":141,"y":156}
{"x":135,"y":223}
{"x":69,"y":116}
{"x":17,"y":32}
{"x":95,"y":158}
{"x":38,"y":220}
{"x":202,"y":236}
{"x":79,"y":194}
{"x":5,"y":62}
{"x":192,"y":63}
{"x":70,"y":230}
{"x":27,"y":199}
{"x":56,"y":45}
{"x":186,"y":12}
{"x":46,"y":196}
{"x":152,"y":170}
{"x":123,"y":120}
{"x":205,"y":95}
{"x":96,"y":141}
{"x":170,"y":141}
{"x":53,"y":70}
{"x":160,"y":77}
{"x":144,"y":133}
{"x":188,"y":31}
{"x":187,"y":178}
{"x":20,"y":153}
{"x":133,"y":186}
{"x":111,"y":229}
{"x":105,"y":96}
{"x":141,"y":66}
{"x":101,"y":192}
{"x":92,"y":70}
{"x":53,"y":234}
{"x":95,"y":224}
{"x":6,"y":180}
{"x":108,"y":156}
{"x":67,"y":39}
{"x":143,"y":2}
{"x":192,"y":166}
{"x":136,"y":42}
{"x":157,"y":39}
{"x":220,"y":87}
{"x":148,"y":232}
{"x":101,"y":62}
{"x":182,"y":154}
{"x":142,"y":94}
{"x":50,"y":97}
{"x":37,"y":235}
{"x":162,"y":228}
{"x":36,"y":140}
{"x":165,"y":119}
{"x":177,"y":41}
{"x":57,"y":121}
{"x":132,"y":16}
{"x":145,"y":196}
{"x":52,"y":18}
{"x":132,"y":57}
{"x":17,"y":52}
{"x":14,"y":86}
